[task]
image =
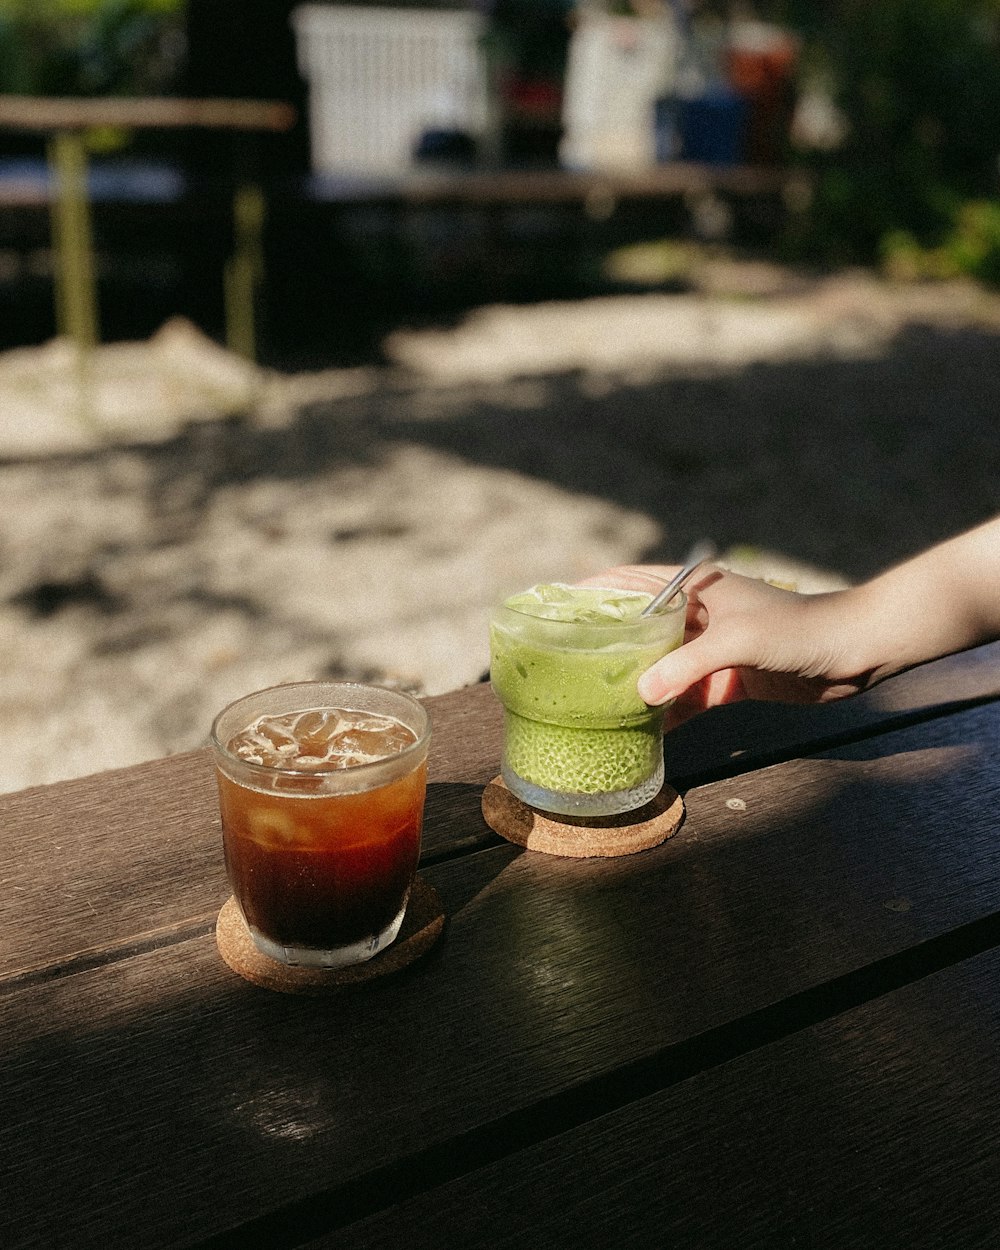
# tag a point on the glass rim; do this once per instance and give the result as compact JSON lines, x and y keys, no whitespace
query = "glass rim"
{"x":422,"y":739}
{"x":677,"y":603}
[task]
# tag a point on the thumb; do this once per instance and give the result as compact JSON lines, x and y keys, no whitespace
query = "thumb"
{"x":678,"y":671}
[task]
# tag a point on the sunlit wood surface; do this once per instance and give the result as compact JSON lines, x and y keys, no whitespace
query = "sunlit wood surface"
{"x":779,"y":1028}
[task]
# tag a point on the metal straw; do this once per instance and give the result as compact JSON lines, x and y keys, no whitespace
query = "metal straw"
{"x":699,"y":553}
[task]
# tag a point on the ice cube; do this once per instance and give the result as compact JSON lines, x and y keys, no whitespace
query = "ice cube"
{"x":366,"y":723}
{"x":274,"y":732}
{"x":373,"y":738}
{"x":315,"y":738}
{"x":271,"y":827}
{"x":555,"y":592}
{"x":349,"y":760}
{"x":579,"y":605}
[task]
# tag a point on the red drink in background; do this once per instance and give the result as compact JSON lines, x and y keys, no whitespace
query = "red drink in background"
{"x":322,"y":810}
{"x":760,"y":62}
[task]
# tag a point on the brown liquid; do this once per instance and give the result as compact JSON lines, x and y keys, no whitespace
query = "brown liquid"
{"x":322,"y":871}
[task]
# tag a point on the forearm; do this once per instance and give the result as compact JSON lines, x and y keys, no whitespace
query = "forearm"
{"x":944,"y":600}
{"x":749,"y":640}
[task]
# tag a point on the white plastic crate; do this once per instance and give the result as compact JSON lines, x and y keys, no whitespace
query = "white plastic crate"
{"x":378,"y":78}
{"x":617,"y":68}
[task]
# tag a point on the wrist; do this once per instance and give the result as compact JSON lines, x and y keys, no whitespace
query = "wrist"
{"x":870,"y":634}
{"x":895,"y":625}
{"x":844,"y":633}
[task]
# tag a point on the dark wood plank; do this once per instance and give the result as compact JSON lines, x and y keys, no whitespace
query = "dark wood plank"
{"x":879,"y":1128}
{"x":128,"y":857}
{"x":748,"y":735}
{"x":108,"y":858}
{"x":514,"y":187}
{"x":557,"y":982}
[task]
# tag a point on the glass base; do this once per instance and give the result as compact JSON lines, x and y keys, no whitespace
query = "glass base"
{"x":340,"y":957}
{"x":568,"y":803}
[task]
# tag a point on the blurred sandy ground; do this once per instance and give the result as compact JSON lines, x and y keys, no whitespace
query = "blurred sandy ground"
{"x":193,"y":528}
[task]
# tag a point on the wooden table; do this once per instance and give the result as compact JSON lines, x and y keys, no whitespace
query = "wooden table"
{"x":508,"y":203}
{"x":780,"y":1028}
{"x":68,"y":120}
{"x":596,"y":191}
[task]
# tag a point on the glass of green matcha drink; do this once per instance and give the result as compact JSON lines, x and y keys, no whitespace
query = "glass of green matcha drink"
{"x":564,"y":662}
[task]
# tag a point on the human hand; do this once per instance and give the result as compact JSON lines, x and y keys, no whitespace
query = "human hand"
{"x":746,"y":639}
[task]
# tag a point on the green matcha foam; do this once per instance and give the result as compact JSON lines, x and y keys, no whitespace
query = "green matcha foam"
{"x":565,"y":661}
{"x":579,"y":605}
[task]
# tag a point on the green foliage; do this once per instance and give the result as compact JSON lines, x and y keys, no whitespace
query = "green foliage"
{"x":918,"y":84}
{"x":60,"y":10}
{"x":88,"y":47}
{"x":971,"y":248}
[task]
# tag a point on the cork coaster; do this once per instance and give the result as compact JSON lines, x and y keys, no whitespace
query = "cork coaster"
{"x":582,"y":837}
{"x":422,"y":926}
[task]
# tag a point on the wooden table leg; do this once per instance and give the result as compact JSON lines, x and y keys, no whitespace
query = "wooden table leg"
{"x":76,"y":287}
{"x":245,"y":269}
{"x":73,"y":244}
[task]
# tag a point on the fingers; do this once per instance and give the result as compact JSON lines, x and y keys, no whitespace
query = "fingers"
{"x":724,"y":686}
{"x":673,"y":675}
{"x":678,"y":672}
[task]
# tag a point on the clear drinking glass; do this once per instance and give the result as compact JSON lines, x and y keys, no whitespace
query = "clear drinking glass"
{"x":322,"y":808}
{"x":578,"y":740}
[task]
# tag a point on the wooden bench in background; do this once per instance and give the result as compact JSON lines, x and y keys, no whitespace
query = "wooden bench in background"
{"x":66,"y":123}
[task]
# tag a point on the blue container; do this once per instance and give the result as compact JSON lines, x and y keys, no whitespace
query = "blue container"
{"x":709,"y":129}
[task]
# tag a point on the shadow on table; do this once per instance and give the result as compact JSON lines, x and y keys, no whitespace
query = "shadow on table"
{"x":603,"y":981}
